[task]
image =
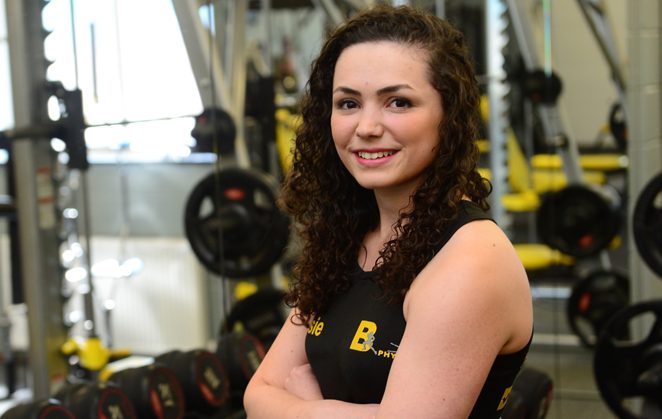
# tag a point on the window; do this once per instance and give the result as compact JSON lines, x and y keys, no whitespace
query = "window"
{"x":131,"y":65}
{"x":129,"y":60}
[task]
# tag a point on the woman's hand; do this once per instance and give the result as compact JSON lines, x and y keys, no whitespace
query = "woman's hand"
{"x":301,"y":382}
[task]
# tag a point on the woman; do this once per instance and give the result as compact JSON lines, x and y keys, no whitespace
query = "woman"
{"x":408,"y":301}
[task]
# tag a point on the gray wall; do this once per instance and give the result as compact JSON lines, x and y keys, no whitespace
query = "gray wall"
{"x":155,"y":197}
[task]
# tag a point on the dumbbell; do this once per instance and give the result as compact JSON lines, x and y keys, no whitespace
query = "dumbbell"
{"x":154,"y":390}
{"x":96,"y":400}
{"x":203,"y":377}
{"x":39,"y":409}
{"x":241,"y":352}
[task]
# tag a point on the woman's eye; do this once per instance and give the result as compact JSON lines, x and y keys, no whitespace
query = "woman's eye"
{"x":400,"y":103}
{"x":346,"y":104}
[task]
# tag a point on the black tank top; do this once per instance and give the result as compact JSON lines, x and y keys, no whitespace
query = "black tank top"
{"x":351,"y":346}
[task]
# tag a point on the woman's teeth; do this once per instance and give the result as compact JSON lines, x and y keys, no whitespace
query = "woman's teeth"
{"x":372,"y":156}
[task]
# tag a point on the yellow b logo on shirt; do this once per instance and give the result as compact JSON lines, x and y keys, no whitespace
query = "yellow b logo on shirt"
{"x":504,"y":398}
{"x":364,"y":336}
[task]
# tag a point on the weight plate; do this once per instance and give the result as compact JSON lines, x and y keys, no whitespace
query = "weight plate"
{"x":593,"y":301}
{"x":261,"y":314}
{"x":618,"y":127}
{"x":214,"y":131}
{"x":577,"y":220}
{"x":534,"y":389}
{"x":647,"y":224}
{"x":628,"y":369}
{"x":515,"y":408}
{"x":541,"y":87}
{"x":235,"y":210}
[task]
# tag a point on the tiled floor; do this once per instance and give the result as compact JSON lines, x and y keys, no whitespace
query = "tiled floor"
{"x":575,"y":392}
{"x":557,"y":352}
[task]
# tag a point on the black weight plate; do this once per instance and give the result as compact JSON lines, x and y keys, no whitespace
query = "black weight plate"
{"x":261,"y":314}
{"x":647,"y":224}
{"x":622,"y":365}
{"x":593,"y":300}
{"x":214,"y":131}
{"x":577,"y":220}
{"x":541,"y":87}
{"x":535,"y":389}
{"x":618,"y":127}
{"x":235,"y":210}
{"x":515,"y":407}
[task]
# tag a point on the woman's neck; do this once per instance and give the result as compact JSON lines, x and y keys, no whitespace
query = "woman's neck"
{"x":390,"y":208}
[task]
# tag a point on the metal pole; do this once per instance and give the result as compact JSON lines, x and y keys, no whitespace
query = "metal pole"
{"x":238,"y":63}
{"x":196,"y":39}
{"x":497,"y":89}
{"x":35,"y":196}
{"x":550,"y":119}
{"x":595,"y":13}
{"x":440,"y":8}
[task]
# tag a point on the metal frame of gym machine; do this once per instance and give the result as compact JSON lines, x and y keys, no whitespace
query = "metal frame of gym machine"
{"x":35,"y":196}
{"x":220,"y":73}
{"x":596,"y":16}
{"x":500,"y":14}
{"x":551,"y":121}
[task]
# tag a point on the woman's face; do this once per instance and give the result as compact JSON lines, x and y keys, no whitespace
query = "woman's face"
{"x":385,"y":115}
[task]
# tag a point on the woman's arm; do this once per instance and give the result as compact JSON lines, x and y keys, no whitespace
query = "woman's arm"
{"x":284,"y":387}
{"x":471,"y":303}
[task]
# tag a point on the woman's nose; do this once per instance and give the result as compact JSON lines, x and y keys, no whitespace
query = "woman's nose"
{"x":370,"y":123}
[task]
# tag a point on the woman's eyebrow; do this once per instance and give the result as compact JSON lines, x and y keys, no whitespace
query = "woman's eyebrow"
{"x":384,"y":90}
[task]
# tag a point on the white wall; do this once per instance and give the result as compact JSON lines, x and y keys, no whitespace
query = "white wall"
{"x":588,"y":90}
{"x":163,"y":307}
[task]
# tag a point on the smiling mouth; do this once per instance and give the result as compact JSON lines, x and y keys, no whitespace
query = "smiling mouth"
{"x":374,"y":156}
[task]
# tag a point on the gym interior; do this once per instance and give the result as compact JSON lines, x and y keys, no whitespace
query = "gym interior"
{"x":143,"y":259}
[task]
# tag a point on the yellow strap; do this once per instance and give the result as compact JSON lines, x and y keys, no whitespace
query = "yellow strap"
{"x":602,"y":162}
{"x":536,"y":256}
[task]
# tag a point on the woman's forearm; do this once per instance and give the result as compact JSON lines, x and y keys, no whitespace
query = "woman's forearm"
{"x":330,"y":409}
{"x":266,"y":401}
{"x":263,"y":401}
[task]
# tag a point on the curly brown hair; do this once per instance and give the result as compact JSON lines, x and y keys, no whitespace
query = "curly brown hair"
{"x":333,"y":212}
